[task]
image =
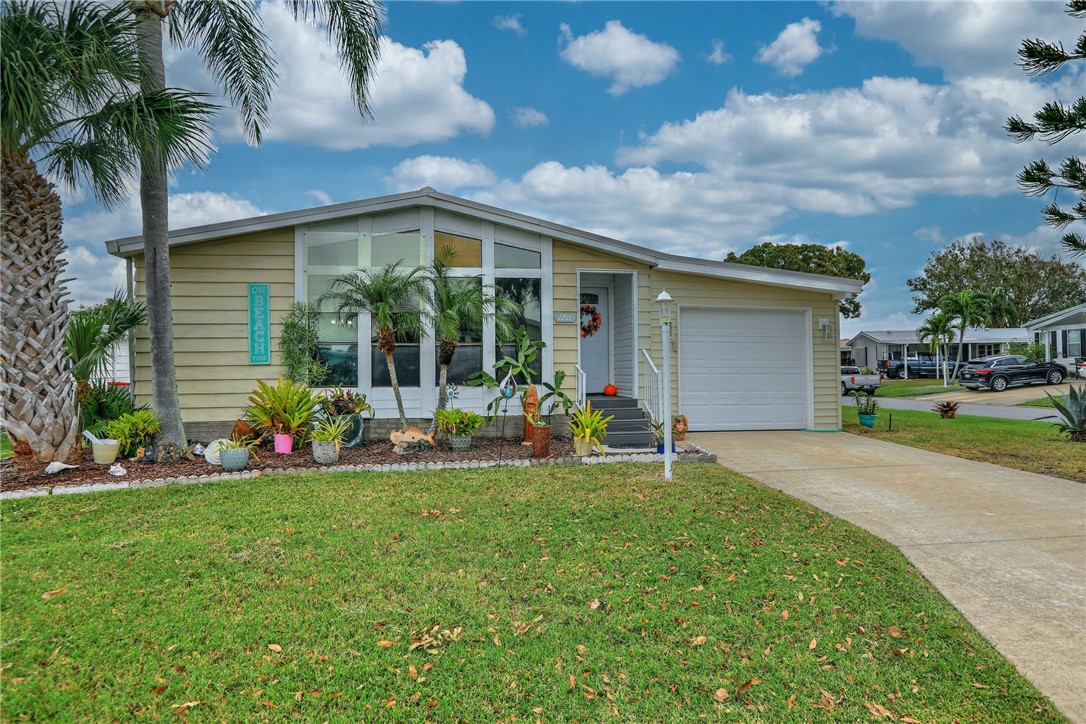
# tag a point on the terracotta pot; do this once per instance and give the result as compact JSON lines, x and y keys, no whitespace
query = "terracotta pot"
{"x":541,"y":441}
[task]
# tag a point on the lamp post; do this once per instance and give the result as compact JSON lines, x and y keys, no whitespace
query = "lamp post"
{"x":663,"y":301}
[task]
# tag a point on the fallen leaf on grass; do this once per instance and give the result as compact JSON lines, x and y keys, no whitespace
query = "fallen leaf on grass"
{"x":384,"y":644}
{"x":276,"y":648}
{"x":158,"y":690}
{"x":720,"y":695}
{"x":784,"y":614}
{"x":186,"y":705}
{"x":896,"y":632}
{"x":594,"y":604}
{"x":814,"y":642}
{"x":879,"y":710}
{"x":49,"y":594}
{"x":699,"y":640}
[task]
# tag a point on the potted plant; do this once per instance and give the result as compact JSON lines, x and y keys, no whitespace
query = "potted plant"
{"x":658,"y":437}
{"x":539,"y":434}
{"x":589,"y":428}
{"x":340,"y":402}
{"x":326,"y":436}
{"x":284,"y":410}
{"x":133,"y":430}
{"x":866,"y":408}
{"x":234,"y":453}
{"x":459,"y":425}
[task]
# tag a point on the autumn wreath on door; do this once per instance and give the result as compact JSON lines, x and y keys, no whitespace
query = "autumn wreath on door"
{"x":590,"y":327}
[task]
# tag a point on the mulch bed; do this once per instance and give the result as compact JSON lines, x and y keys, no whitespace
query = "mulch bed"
{"x":21,"y":472}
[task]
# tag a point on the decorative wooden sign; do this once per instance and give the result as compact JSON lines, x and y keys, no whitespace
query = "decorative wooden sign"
{"x":260,"y":324}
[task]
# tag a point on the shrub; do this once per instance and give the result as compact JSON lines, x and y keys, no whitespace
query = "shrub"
{"x":299,"y":345}
{"x":946,"y":410}
{"x":865,"y":404}
{"x":102,"y":405}
{"x":455,"y":421}
{"x":1072,"y":408}
{"x":284,"y":409}
{"x":133,"y":430}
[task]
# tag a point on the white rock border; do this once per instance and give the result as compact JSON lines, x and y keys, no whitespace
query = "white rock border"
{"x":693,"y":453}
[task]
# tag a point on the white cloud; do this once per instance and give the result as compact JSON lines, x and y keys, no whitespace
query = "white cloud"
{"x":931,"y":234}
{"x":718,"y":56}
{"x":963,"y":38}
{"x":794,"y":49}
{"x":319,"y":196}
{"x":441,"y":172}
{"x":97,"y":274}
{"x":510,"y":22}
{"x":855,"y":151}
{"x":799,"y":240}
{"x":527,"y":117}
{"x":417,"y":95}
{"x":629,"y":59}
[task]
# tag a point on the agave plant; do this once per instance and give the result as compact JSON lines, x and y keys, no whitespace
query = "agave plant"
{"x":1072,"y":408}
{"x":947,"y":410}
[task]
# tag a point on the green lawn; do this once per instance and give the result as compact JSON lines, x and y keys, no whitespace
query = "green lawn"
{"x":1022,"y":444}
{"x":545,"y":594}
{"x":1043,"y":402}
{"x":5,"y":446}
{"x":913,"y":387}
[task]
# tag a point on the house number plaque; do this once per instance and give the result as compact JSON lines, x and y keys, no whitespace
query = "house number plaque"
{"x":565,"y":317}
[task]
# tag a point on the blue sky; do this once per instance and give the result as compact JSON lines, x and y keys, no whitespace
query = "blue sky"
{"x":696,"y":128}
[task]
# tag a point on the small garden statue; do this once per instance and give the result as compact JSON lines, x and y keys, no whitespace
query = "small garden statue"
{"x":411,"y":438}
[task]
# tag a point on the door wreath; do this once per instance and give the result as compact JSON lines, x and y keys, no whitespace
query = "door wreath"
{"x":593,"y":324}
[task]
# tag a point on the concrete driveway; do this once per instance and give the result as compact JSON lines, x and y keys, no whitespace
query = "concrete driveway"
{"x":1007,"y":548}
{"x":1010,"y":396}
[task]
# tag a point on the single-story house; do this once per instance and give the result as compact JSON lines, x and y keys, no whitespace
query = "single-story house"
{"x":870,"y":347}
{"x":752,"y":348}
{"x":1062,"y":333}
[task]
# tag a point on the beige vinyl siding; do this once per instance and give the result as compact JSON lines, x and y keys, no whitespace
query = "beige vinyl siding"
{"x":702,"y":291}
{"x":566,"y":259}
{"x":211,"y":320}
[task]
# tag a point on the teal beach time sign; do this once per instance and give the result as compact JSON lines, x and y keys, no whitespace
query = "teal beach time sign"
{"x":260,"y":324}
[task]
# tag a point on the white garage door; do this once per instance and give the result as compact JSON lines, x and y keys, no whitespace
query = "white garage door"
{"x":743,"y":369}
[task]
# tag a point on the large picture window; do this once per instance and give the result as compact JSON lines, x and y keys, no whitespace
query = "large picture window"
{"x":527,"y":292}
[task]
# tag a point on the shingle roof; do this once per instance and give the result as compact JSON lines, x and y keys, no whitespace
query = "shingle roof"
{"x":909,"y":336}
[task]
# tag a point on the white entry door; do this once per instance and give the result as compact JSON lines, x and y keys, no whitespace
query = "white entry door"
{"x":596,"y":348}
{"x":744,"y":369}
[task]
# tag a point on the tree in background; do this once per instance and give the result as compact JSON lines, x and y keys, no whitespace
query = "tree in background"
{"x":70,"y":76}
{"x":1035,"y":286}
{"x":1053,"y":123}
{"x":231,"y":42}
{"x":968,"y":309}
{"x":812,"y":258}
{"x":938,"y":331}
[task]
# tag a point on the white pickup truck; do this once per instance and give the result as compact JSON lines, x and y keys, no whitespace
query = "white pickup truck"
{"x":852,"y":380}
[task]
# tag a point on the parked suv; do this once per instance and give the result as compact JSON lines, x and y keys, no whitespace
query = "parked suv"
{"x":1000,"y":372}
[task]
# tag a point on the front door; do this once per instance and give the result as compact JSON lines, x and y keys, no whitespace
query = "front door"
{"x":596,"y":337}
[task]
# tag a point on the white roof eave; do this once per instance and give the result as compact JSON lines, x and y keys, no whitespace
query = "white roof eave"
{"x":839,"y":287}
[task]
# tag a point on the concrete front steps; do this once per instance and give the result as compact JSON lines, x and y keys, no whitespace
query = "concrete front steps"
{"x":630,"y":428}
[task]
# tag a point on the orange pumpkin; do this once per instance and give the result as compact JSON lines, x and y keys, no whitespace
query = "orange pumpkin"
{"x":610,"y":390}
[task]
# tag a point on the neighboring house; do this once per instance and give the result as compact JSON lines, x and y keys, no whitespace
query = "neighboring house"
{"x":870,"y":347}
{"x":117,"y":368}
{"x":752,"y":348}
{"x":1063,"y":333}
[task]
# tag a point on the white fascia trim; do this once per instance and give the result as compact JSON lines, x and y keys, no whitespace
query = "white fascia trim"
{"x":1055,"y":317}
{"x":760,"y":275}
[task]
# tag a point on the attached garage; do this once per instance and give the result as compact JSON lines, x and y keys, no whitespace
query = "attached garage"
{"x":745,"y":369}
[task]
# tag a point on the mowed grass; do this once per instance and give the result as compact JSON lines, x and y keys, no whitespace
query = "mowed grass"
{"x":1043,"y":402}
{"x":1022,"y":444}
{"x":914,"y":387}
{"x":546,"y":594}
{"x":5,"y":446}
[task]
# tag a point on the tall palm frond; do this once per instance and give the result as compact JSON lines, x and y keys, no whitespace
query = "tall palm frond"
{"x":70,"y":74}
{"x":392,"y":296}
{"x":938,"y":331}
{"x":93,"y":332}
{"x":968,"y":309}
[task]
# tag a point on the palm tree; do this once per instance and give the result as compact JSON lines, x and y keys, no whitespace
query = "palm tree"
{"x":968,"y":309}
{"x":69,"y":75}
{"x":938,"y":331}
{"x":237,"y":54}
{"x":392,"y":296}
{"x":92,"y":333}
{"x":459,"y":304}
{"x":1003,"y":312}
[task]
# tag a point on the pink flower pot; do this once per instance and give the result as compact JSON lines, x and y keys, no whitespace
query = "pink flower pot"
{"x":283,"y":444}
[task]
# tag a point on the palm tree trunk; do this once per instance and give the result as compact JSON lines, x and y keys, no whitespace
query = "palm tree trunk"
{"x":37,"y":390}
{"x":442,"y":394}
{"x":396,"y":389}
{"x":961,"y":344}
{"x":154,"y":197}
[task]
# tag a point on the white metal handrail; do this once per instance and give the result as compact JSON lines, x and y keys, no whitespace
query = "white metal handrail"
{"x":582,"y":384}
{"x":652,"y":388}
